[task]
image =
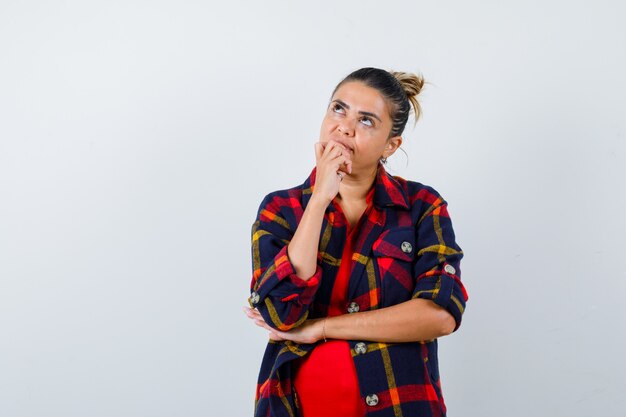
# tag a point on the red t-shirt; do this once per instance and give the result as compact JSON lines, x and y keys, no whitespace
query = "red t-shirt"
{"x":325,"y":380}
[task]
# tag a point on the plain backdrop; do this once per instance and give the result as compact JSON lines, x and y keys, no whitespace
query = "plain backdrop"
{"x":137,"y":139}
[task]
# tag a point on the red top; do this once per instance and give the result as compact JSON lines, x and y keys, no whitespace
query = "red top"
{"x":325,"y":381}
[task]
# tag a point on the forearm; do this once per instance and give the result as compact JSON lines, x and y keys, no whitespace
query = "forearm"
{"x":302,"y":249}
{"x":411,"y":321}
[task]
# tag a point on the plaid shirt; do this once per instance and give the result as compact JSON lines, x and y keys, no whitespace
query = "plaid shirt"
{"x":405,"y":249}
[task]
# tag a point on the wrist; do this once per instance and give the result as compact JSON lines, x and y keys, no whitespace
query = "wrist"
{"x":318,"y":203}
{"x":324,"y":320}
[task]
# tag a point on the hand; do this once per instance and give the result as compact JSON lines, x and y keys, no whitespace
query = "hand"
{"x":308,"y":332}
{"x":333,"y":161}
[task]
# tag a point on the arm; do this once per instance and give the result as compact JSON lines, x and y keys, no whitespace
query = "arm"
{"x":438,"y":299}
{"x":304,"y":245}
{"x":285,"y":263}
{"x":437,"y":302}
{"x":277,"y":291}
{"x":410,"y":321}
{"x":437,"y":270}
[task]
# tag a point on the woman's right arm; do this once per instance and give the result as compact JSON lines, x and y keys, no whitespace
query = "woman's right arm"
{"x":303,"y":247}
{"x":286,"y":273}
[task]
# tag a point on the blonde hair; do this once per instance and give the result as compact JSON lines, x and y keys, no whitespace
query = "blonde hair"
{"x":412,"y":85}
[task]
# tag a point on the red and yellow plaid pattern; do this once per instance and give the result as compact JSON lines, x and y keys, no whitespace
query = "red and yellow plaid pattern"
{"x":405,"y":249}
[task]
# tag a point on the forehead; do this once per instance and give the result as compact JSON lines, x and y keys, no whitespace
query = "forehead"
{"x":360,"y":97}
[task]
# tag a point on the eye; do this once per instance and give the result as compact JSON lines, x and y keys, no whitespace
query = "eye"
{"x":338,"y":108}
{"x":367,"y":121}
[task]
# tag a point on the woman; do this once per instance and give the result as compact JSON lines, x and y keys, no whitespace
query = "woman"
{"x":356,"y":272}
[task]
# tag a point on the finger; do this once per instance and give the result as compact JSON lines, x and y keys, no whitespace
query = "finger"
{"x":276,"y":337}
{"x":349,"y":165}
{"x":334,"y":153}
{"x":327,"y":149}
{"x":263,"y":325}
{"x":340,"y":161}
{"x":247,"y":311}
{"x":340,"y":153}
{"x":255,"y":315}
{"x":331,"y":146}
{"x":335,"y":143}
{"x":251,"y":312}
{"x":319,"y":150}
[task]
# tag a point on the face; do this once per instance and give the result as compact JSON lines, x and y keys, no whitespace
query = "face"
{"x":358,"y":118}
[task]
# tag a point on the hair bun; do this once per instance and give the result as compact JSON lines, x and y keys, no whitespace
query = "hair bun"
{"x":412,"y":85}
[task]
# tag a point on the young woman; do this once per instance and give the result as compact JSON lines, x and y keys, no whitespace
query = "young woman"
{"x":355,"y":272}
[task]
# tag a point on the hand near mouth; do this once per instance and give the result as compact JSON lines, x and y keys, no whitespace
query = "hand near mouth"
{"x":333,"y":161}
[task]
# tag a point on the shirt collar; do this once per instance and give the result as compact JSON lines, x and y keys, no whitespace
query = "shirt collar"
{"x":388,"y":191}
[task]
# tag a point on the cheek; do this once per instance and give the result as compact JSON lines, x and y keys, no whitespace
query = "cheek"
{"x":325,"y":124}
{"x":372,"y":142}
{"x":327,"y":128}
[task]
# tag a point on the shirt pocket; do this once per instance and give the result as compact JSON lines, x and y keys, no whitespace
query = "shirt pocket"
{"x":394,"y":255}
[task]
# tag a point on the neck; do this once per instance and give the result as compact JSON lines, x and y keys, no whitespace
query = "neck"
{"x":355,"y":186}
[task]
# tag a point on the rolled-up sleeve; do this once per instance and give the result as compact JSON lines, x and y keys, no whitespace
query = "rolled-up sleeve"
{"x":437,"y":268}
{"x":276,"y":291}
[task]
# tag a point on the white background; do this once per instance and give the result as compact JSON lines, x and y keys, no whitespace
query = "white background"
{"x":137,"y":140}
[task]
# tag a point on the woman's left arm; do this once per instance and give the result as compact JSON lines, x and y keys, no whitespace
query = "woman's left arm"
{"x":410,"y":321}
{"x":414,"y":320}
{"x":436,"y":305}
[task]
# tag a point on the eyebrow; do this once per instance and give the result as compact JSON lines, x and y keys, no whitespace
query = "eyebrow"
{"x":364,"y":113}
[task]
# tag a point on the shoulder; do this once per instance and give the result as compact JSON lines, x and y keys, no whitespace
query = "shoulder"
{"x":419,"y":193}
{"x":277,"y":200}
{"x":280,"y":210}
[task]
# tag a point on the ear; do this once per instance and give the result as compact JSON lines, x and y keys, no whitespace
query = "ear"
{"x":392,"y":145}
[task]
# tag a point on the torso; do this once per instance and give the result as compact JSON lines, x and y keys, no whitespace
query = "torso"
{"x":325,"y":381}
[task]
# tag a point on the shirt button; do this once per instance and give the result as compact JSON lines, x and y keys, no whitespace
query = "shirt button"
{"x":406,"y":247}
{"x":449,"y":269}
{"x":371,"y":400}
{"x":360,"y":348}
{"x":353,"y":307}
{"x":254,"y":297}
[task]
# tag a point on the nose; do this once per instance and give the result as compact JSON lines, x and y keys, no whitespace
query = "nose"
{"x":345,"y":129}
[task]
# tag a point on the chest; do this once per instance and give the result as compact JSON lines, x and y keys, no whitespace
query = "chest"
{"x":353,"y":211}
{"x":381,"y":267}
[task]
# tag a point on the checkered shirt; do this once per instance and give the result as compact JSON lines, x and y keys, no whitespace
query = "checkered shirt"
{"x":405,"y":249}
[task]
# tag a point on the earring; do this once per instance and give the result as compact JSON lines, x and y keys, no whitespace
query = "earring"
{"x":383,"y":160}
